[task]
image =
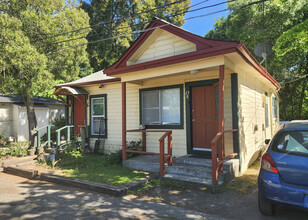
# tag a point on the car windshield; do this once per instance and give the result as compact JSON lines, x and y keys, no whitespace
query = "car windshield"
{"x":291,"y":142}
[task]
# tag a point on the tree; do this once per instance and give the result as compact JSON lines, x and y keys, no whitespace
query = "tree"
{"x":125,"y":16}
{"x":31,"y":55}
{"x":283,"y":23}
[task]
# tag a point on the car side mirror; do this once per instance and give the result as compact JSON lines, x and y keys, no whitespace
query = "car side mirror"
{"x":267,"y":141}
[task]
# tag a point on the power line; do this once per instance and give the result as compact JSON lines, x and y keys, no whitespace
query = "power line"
{"x":209,"y":6}
{"x":145,"y":30}
{"x":110,"y":21}
{"x":130,"y":18}
{"x":134,"y":32}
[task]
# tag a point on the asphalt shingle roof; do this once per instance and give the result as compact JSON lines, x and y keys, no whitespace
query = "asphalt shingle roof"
{"x":17,"y":99}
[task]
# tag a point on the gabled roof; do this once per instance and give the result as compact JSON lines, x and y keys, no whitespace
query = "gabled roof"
{"x":204,"y":48}
{"x":17,"y":99}
{"x":94,"y":78}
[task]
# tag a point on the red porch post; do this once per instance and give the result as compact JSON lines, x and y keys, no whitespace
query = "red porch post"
{"x":124,"y":154}
{"x":221,"y":112}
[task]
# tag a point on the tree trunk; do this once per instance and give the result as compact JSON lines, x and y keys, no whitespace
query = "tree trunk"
{"x":32,"y":122}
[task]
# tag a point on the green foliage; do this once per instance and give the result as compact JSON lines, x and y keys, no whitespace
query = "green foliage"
{"x":71,"y":155}
{"x":2,"y":153}
{"x":105,"y":53}
{"x":18,"y":149}
{"x":2,"y":138}
{"x":283,"y":23}
{"x":28,"y":60}
{"x":31,"y":55}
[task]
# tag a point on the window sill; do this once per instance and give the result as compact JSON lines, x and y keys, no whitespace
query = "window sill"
{"x":98,"y":136}
{"x":164,"y":126}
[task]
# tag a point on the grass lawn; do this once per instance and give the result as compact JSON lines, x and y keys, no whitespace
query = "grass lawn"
{"x":96,"y":168}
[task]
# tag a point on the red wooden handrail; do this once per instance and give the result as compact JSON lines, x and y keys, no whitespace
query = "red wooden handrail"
{"x":217,"y":165}
{"x":162,"y":155}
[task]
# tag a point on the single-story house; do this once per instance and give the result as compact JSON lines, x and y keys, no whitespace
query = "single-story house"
{"x":13,"y":115}
{"x":172,"y":80}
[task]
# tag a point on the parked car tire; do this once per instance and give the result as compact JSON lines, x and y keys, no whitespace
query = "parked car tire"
{"x":265,"y":207}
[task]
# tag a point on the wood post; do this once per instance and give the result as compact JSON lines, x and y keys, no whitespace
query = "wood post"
{"x":214,"y":165}
{"x":124,"y":154}
{"x":144,"y":141}
{"x":162,"y":157}
{"x":170,"y":149}
{"x":221,"y":112}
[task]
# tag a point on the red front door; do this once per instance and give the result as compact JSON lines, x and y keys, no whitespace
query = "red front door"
{"x":79,"y":113}
{"x":204,"y":116}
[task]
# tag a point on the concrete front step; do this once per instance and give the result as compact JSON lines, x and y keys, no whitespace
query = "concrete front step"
{"x":190,"y":170}
{"x":185,"y":168}
{"x":148,"y":163}
{"x":191,"y":180}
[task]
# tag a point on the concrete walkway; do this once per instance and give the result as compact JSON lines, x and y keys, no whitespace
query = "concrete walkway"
{"x":21,"y":198}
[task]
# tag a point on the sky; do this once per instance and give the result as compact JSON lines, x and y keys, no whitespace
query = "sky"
{"x":202,"y":25}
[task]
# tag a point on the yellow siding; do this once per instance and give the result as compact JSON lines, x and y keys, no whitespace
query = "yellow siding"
{"x":6,"y":119}
{"x":113,"y":92}
{"x":252,"y":118}
{"x":164,"y":45}
{"x":114,"y":115}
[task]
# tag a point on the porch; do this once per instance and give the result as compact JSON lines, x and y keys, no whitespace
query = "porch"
{"x":205,"y":125}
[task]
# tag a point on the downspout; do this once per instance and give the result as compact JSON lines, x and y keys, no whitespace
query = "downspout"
{"x":271,"y":113}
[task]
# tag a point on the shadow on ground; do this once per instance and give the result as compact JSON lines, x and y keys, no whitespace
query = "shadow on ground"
{"x":229,"y":205}
{"x":25,"y":199}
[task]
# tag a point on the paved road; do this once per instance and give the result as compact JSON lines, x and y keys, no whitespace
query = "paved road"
{"x":21,"y":198}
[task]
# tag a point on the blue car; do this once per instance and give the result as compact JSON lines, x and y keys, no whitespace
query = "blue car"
{"x":283,"y":177}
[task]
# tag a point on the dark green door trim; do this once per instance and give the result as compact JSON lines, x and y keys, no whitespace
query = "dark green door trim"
{"x":188,"y":87}
{"x":235,"y":116}
{"x":72,"y":111}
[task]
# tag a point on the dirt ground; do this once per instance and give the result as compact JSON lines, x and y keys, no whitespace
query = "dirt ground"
{"x":42,"y":168}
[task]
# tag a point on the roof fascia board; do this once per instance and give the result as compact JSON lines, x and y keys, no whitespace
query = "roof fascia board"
{"x":89,"y":83}
{"x":173,"y":60}
{"x":174,"y":69}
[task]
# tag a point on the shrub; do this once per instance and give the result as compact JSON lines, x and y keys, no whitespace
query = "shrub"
{"x":19,"y":148}
{"x":58,"y":123}
{"x":116,"y":157}
{"x":2,"y":138}
{"x":71,"y":155}
{"x":2,"y":153}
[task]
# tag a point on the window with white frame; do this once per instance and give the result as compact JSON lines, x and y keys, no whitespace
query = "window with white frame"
{"x":162,"y":107}
{"x":98,"y":115}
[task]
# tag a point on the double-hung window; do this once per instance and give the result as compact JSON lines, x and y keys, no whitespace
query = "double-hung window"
{"x":162,"y":107}
{"x":98,"y":115}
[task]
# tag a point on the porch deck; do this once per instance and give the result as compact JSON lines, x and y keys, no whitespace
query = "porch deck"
{"x":188,"y":168}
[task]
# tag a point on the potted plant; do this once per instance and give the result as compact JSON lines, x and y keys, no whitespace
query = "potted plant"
{"x":40,"y":150}
{"x":31,"y":151}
